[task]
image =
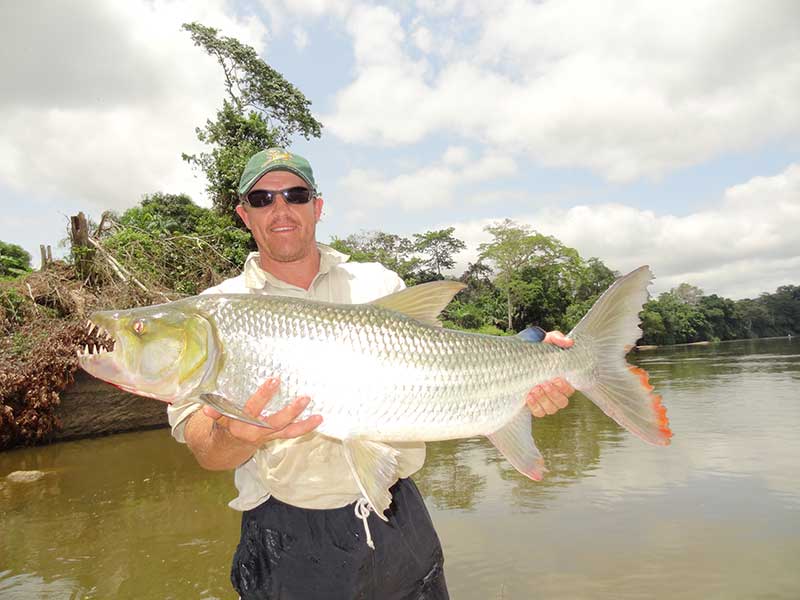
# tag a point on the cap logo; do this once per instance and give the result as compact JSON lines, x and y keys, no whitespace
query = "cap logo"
{"x":276,"y":155}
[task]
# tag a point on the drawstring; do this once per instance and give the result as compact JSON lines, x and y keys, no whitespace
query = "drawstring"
{"x":362,"y":509}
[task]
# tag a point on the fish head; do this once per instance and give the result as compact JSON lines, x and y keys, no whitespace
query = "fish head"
{"x":162,"y":351}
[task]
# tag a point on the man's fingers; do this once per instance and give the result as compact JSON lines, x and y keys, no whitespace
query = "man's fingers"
{"x":286,"y":415}
{"x":563,"y":386}
{"x":558,"y":338}
{"x":536,"y":408}
{"x":299,"y":428}
{"x":548,"y":398}
{"x":211,"y":413}
{"x":261,"y":397}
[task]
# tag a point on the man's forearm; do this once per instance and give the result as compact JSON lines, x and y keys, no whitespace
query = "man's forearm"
{"x":213,"y":446}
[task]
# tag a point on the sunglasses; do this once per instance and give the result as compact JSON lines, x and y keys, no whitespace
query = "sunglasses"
{"x":295,"y":195}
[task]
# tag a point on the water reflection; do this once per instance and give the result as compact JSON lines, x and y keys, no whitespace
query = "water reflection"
{"x":105,"y":516}
{"x":448,"y":480}
{"x":716,"y":514}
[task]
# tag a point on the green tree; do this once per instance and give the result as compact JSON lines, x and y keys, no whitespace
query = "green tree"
{"x":687,"y":293}
{"x":261,"y":109}
{"x":594,"y":279}
{"x":591,"y":279}
{"x":14,"y":260}
{"x":680,"y":322}
{"x":480,"y":305}
{"x":753,"y":319}
{"x":438,"y":248}
{"x":512,"y":247}
{"x":160,"y":212}
{"x":720,"y":313}
{"x":393,"y":251}
{"x":537,"y":274}
{"x":653,"y":328}
{"x":784,"y":307}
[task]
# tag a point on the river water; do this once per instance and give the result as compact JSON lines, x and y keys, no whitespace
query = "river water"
{"x":714,"y":515}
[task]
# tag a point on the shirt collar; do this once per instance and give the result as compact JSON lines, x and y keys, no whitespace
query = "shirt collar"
{"x":257,"y":278}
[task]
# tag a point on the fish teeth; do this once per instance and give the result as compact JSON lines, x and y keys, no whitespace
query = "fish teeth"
{"x":86,"y":348}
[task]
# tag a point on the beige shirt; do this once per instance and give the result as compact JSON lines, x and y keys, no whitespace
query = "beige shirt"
{"x":310,"y":471}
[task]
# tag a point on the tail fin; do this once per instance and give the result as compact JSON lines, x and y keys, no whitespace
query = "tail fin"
{"x":623,"y":391}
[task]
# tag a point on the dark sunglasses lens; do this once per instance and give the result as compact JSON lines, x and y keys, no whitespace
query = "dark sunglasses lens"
{"x":259,"y":198}
{"x":297,"y":195}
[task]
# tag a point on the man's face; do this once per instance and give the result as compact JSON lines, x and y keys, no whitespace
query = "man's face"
{"x":284,"y":232}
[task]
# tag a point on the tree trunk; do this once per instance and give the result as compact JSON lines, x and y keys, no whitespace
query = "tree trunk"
{"x":81,"y":250}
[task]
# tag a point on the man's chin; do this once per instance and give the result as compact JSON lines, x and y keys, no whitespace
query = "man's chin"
{"x":288,"y":253}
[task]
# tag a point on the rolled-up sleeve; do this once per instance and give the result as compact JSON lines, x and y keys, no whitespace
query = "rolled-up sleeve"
{"x":178,"y":415}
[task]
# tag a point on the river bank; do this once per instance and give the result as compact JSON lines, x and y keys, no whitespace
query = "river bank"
{"x":709,"y":342}
{"x":90,"y":407}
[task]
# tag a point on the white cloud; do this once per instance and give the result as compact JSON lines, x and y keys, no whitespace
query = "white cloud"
{"x":105,"y":97}
{"x":414,"y":191}
{"x":282,"y":12}
{"x":300,"y":38}
{"x":456,"y":155}
{"x":745,"y":244}
{"x":627,"y":90}
{"x":423,"y":38}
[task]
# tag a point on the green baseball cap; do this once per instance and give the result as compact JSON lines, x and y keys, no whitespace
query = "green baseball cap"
{"x":274,"y":159}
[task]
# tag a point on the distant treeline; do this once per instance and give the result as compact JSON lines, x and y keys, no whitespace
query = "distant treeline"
{"x":520,"y":278}
{"x":524,"y":278}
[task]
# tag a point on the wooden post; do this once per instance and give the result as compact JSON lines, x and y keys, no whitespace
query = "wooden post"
{"x":49,"y":254}
{"x":44,"y":255}
{"x":81,"y":250}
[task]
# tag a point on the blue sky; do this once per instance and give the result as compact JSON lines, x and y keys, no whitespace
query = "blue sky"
{"x":661,"y":133}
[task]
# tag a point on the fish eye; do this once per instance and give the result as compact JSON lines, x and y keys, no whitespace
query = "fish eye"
{"x":138,"y":326}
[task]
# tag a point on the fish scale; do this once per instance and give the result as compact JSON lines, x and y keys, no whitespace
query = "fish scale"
{"x":423,"y":381}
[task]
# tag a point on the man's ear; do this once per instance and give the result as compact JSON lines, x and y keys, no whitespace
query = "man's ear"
{"x":240,"y":210}
{"x":318,"y":202}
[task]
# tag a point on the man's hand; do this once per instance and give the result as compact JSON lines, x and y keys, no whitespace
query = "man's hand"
{"x":219,"y":442}
{"x":281,"y":422}
{"x":550,"y":397}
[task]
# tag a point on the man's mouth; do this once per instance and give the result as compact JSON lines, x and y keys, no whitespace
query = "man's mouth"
{"x":282,"y":228}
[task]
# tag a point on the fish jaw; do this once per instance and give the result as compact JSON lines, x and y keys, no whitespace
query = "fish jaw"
{"x":102,"y":365}
{"x":158,"y":352}
{"x":96,"y":359}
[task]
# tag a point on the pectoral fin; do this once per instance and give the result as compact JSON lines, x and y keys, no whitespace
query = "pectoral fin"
{"x":515,"y":442}
{"x":229,"y":409}
{"x":374,"y":467}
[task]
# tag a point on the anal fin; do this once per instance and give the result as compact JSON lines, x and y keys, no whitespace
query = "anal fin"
{"x":515,"y":441}
{"x":374,"y":467}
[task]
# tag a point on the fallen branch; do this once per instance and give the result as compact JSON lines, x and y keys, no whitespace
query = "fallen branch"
{"x":121,"y":271}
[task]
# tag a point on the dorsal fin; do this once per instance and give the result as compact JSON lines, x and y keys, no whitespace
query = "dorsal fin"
{"x":422,"y":302}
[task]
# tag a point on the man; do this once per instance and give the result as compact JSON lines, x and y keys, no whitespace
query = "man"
{"x":306,"y":531}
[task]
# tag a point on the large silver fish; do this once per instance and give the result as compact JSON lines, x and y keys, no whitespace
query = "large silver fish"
{"x":380,"y":372}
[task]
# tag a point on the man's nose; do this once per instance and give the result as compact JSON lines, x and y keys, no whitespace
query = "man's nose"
{"x":279,"y":203}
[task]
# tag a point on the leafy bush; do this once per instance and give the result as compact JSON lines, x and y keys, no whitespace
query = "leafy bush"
{"x":14,"y":260}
